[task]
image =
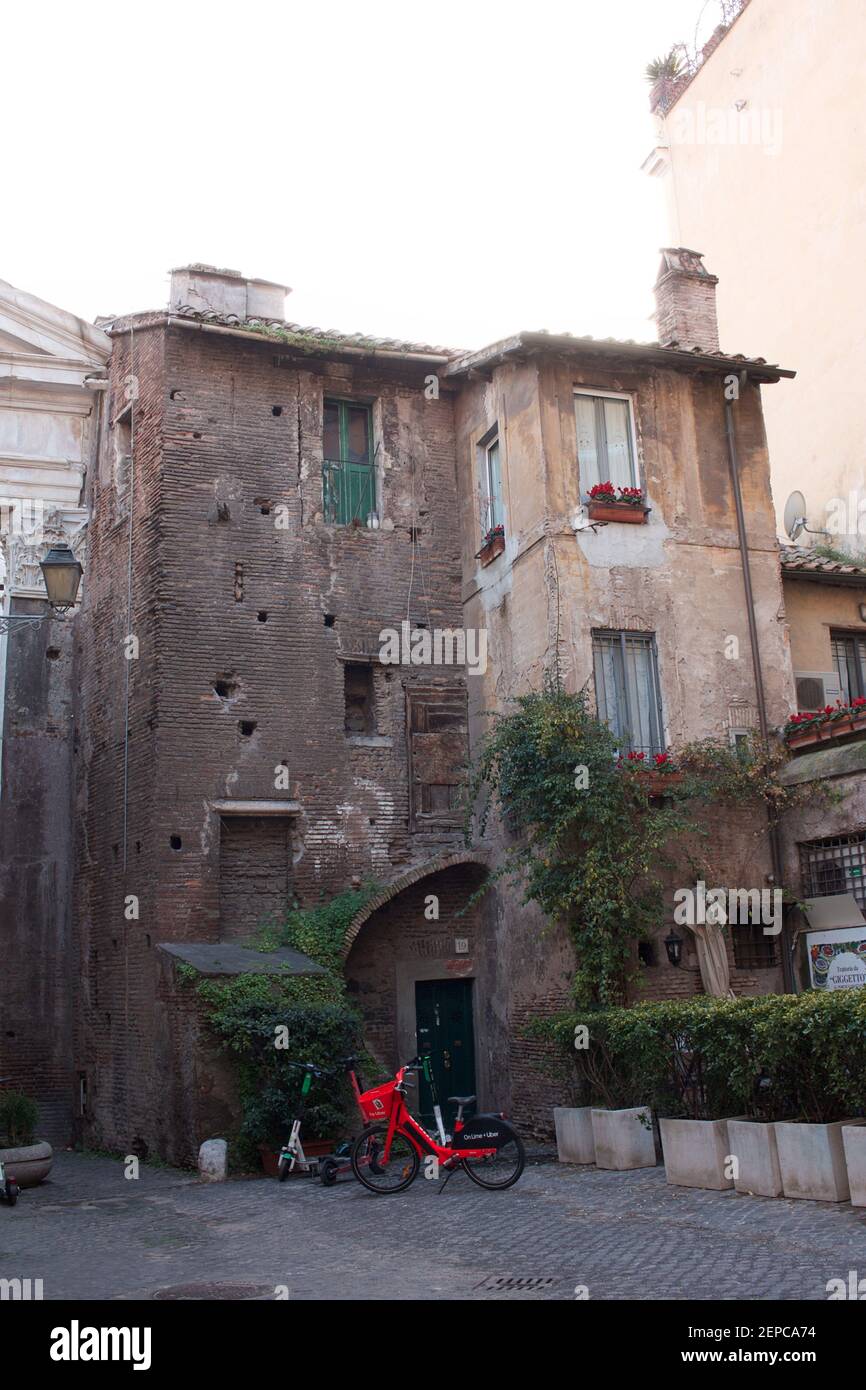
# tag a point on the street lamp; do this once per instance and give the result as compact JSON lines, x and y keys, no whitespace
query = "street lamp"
{"x":62,"y":574}
{"x":674,"y":947}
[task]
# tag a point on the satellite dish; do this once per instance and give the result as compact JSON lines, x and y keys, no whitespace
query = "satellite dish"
{"x":794,"y":518}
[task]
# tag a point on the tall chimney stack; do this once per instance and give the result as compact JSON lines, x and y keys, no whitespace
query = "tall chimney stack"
{"x":685,"y":294}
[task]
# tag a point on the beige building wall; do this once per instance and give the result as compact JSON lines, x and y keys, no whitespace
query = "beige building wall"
{"x":679,"y":577}
{"x":763,"y":165}
{"x":814,"y":609}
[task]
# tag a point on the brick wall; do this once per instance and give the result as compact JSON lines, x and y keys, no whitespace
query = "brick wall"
{"x":243,"y":604}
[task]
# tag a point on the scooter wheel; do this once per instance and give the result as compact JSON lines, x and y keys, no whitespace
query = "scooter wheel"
{"x":12,"y":1190}
{"x":283,"y":1168}
{"x":328,"y":1170}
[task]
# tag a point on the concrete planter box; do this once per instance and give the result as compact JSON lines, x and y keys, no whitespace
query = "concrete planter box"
{"x":812,"y":1160}
{"x":854,"y":1145}
{"x":624,"y":1138}
{"x":28,"y":1165}
{"x":753,"y":1143}
{"x":574,"y":1137}
{"x":695,"y":1153}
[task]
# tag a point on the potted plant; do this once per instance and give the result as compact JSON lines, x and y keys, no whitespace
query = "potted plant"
{"x":833,"y":721}
{"x":493,"y":545}
{"x":26,"y":1160}
{"x":615,"y":1079}
{"x":658,"y":772}
{"x":854,"y":1147}
{"x":609,"y":503}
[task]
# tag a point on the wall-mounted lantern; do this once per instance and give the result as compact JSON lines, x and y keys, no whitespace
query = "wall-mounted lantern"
{"x":62,"y":574}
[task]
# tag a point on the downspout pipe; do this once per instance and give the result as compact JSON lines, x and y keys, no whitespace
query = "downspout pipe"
{"x":775,"y":850}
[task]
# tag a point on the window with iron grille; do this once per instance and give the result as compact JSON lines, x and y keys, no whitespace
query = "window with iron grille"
{"x":835,"y":865}
{"x":627,"y":691}
{"x":753,"y":949}
{"x":348,"y":475}
{"x":849,"y":660}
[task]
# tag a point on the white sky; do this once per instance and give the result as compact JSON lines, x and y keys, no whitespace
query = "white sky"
{"x":443,"y":172}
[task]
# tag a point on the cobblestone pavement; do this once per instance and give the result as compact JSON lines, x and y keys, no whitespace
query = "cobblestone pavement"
{"x":89,"y":1233}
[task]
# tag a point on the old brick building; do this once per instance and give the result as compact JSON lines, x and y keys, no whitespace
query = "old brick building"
{"x":266,"y":503}
{"x":267,"y":500}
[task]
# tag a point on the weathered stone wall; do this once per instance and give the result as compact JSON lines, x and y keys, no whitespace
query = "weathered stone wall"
{"x":36,"y":869}
{"x":678,"y":577}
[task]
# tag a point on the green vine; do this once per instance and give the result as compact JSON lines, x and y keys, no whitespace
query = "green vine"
{"x":590,"y":833}
{"x":266,"y":1022}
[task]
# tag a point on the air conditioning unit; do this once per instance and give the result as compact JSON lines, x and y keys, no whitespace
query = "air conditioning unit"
{"x":815,"y":689}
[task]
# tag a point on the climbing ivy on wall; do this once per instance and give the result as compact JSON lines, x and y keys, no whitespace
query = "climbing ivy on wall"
{"x":589,"y":836}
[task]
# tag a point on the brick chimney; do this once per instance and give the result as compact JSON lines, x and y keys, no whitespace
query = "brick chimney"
{"x":685,"y":294}
{"x":208,"y":289}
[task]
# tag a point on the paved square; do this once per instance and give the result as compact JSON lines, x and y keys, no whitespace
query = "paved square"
{"x":89,"y":1233}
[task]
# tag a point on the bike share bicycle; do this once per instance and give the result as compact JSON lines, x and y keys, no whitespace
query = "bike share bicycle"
{"x":386,"y":1156}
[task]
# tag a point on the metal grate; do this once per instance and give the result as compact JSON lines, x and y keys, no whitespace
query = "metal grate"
{"x":511,"y":1283}
{"x":835,"y":865}
{"x":753,"y":950}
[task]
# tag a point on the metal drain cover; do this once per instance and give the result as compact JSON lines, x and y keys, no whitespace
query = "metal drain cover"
{"x":509,"y":1283}
{"x":210,"y":1291}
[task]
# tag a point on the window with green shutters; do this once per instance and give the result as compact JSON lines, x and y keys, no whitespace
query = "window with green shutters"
{"x":348,"y":475}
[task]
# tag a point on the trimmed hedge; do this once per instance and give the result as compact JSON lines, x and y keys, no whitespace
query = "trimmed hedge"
{"x":774,"y":1057}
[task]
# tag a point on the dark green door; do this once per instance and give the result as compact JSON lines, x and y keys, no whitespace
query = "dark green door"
{"x":443,"y":1009}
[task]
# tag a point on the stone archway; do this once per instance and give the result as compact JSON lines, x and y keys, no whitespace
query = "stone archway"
{"x":396,"y":942}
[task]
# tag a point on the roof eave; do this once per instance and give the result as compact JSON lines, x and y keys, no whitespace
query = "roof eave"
{"x":675,"y":358}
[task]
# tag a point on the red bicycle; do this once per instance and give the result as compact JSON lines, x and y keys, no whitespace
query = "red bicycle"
{"x":386,"y":1156}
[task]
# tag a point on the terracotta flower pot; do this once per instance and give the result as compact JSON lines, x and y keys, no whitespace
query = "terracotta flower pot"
{"x":493,"y":547}
{"x":633,"y":514}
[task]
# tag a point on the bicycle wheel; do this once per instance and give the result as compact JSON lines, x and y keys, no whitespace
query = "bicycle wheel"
{"x":374,"y":1171}
{"x":501,"y":1169}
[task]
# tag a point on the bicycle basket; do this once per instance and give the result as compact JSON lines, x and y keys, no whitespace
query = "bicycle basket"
{"x":377,"y":1103}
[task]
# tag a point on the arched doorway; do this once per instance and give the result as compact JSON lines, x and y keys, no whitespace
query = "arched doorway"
{"x":421,"y":971}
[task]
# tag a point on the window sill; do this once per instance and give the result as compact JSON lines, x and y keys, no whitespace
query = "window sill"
{"x":370,"y":740}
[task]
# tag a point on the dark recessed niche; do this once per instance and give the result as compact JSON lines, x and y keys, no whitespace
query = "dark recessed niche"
{"x":647,"y":952}
{"x":138,"y":846}
{"x":52,"y":653}
{"x":115,"y":849}
{"x":262,"y":616}
{"x":147,"y":939}
{"x":176,"y":842}
{"x":196,"y":435}
{"x":225,"y":686}
{"x":276,"y":410}
{"x":414,"y":534}
{"x":330,"y":619}
{"x":247,"y":727}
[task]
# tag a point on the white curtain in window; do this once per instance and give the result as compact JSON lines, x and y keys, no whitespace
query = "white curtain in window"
{"x":587,"y":444}
{"x":618,"y":436}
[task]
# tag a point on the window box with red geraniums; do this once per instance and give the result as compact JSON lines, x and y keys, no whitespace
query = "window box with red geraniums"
{"x":609,"y":503}
{"x":833,"y":721}
{"x":657,"y":771}
{"x":494,"y":544}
